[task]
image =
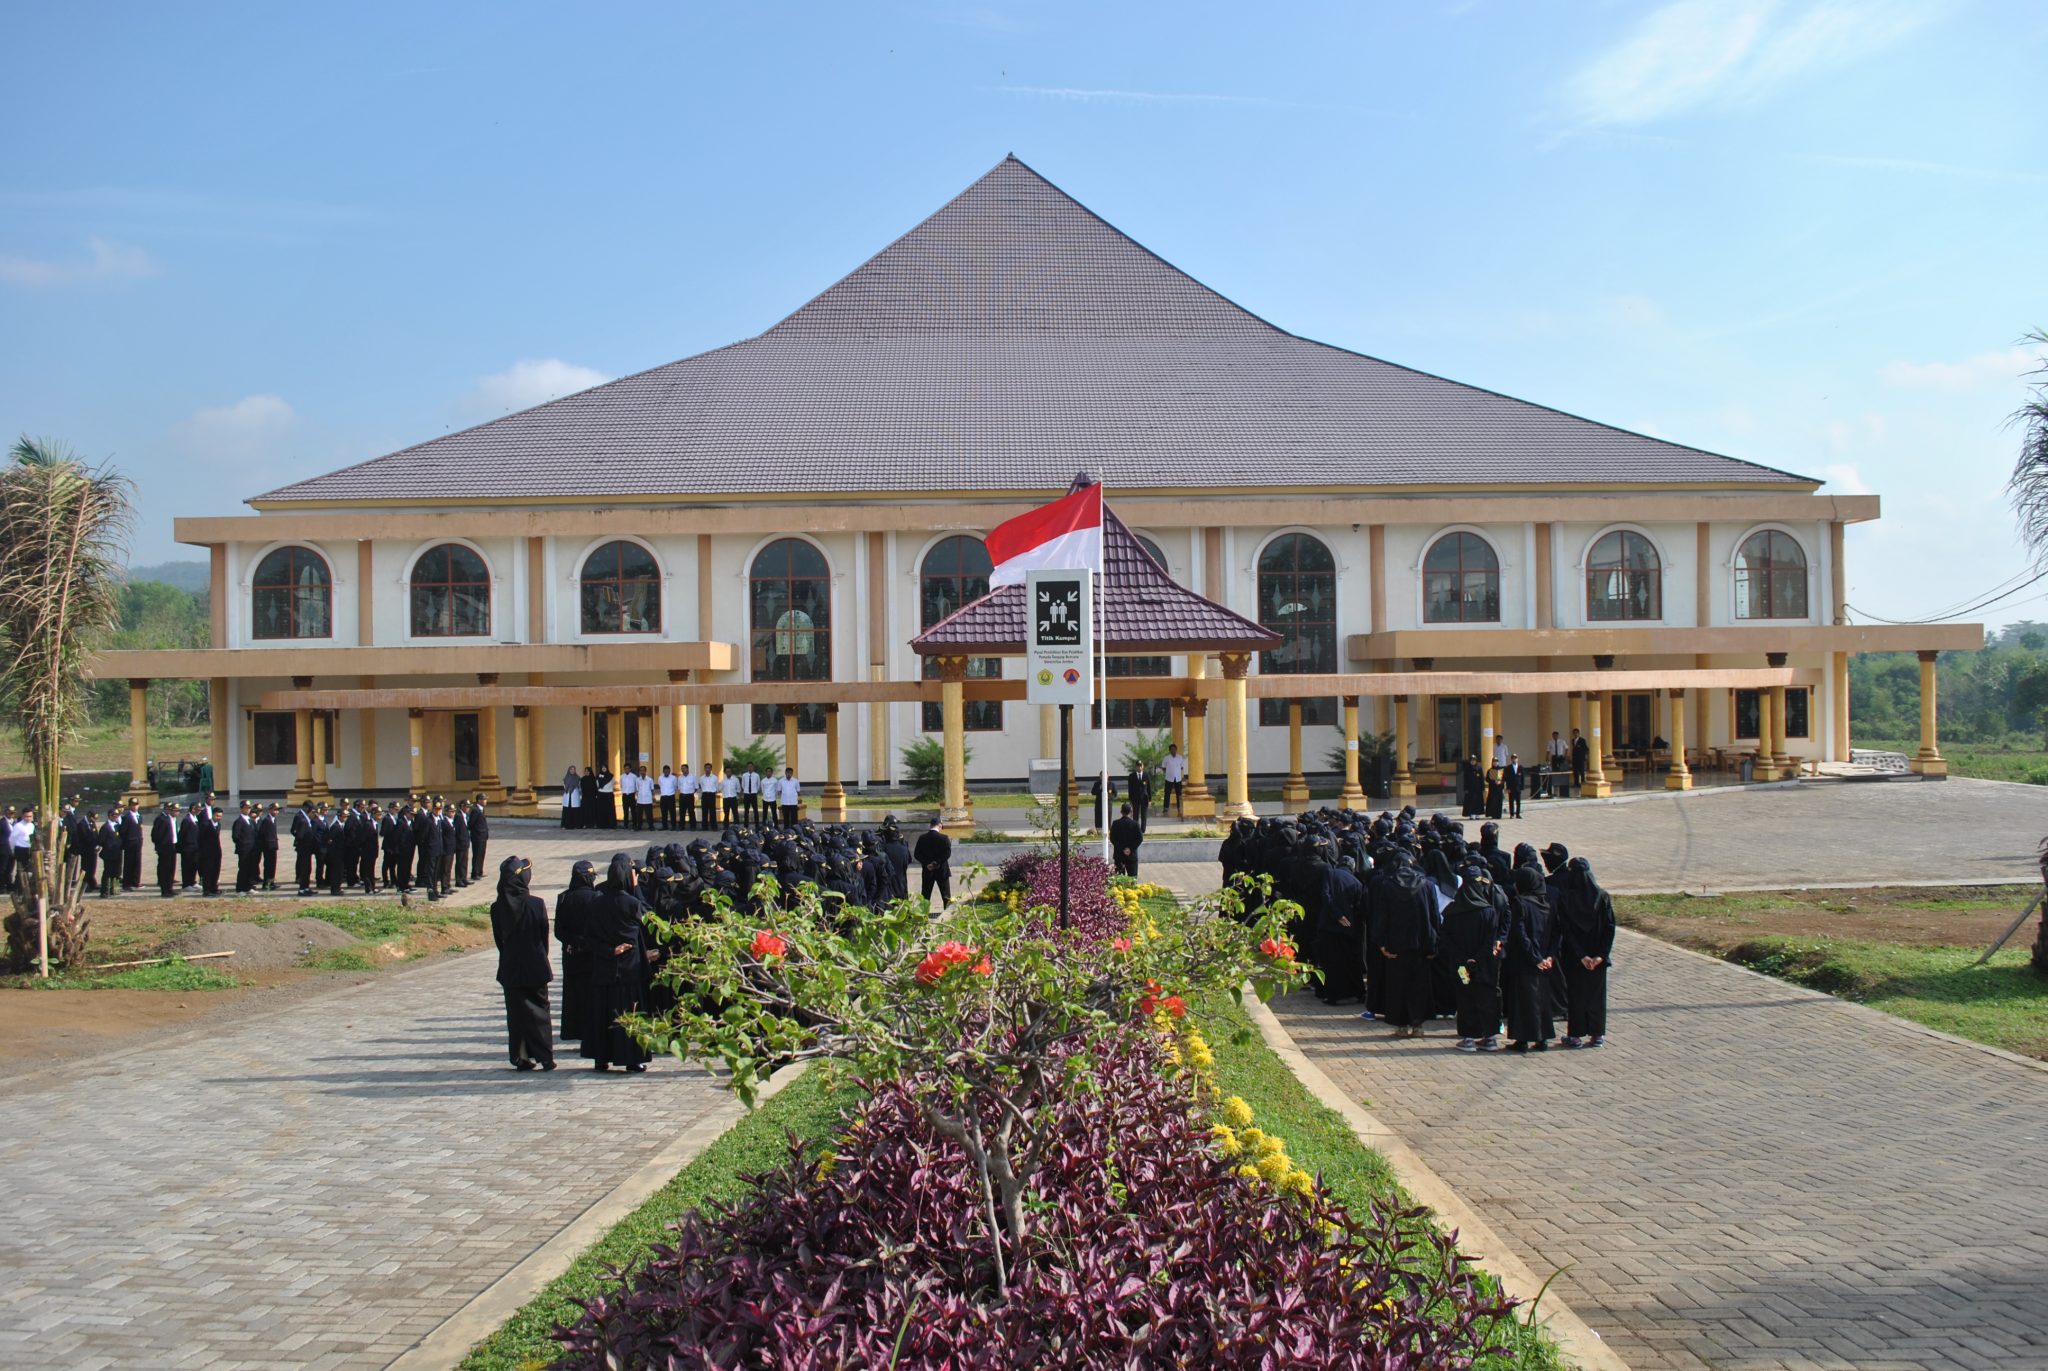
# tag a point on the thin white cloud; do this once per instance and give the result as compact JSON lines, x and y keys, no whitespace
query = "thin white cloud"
{"x":530,"y":382}
{"x":251,"y":430}
{"x":1842,"y":478}
{"x":105,"y":260}
{"x":1693,"y":54}
{"x":1972,"y":373}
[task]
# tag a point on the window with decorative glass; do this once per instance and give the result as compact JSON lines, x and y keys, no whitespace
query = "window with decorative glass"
{"x":1624,"y":578}
{"x":451,"y":593}
{"x":1461,"y":581}
{"x":1298,"y":600}
{"x":789,"y":617}
{"x":953,"y":575}
{"x":292,"y":595}
{"x":621,"y":590}
{"x":1770,"y":577}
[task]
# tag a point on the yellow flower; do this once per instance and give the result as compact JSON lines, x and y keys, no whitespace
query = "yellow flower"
{"x":1274,"y":1168}
{"x":1271,"y":1146}
{"x":1252,"y":1138}
{"x":1250,"y":1173}
{"x":827,"y":1162}
{"x":1301,"y":1183}
{"x":1237,"y":1113}
{"x":1226,"y":1140}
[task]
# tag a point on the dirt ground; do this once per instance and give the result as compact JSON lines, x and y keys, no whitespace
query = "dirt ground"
{"x":1957,"y":916}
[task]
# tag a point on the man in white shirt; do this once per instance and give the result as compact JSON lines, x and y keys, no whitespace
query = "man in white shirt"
{"x":686,"y":798}
{"x":790,"y":796}
{"x":665,"y":787}
{"x":708,"y":792}
{"x":1500,"y":750}
{"x":1175,"y":772}
{"x":732,"y":795}
{"x":643,"y":798}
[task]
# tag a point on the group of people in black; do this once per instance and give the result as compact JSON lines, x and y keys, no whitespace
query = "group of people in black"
{"x":1410,"y":918}
{"x":609,"y":965}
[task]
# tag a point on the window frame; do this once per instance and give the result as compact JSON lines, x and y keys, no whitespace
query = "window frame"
{"x":413,"y":587}
{"x":1621,"y":568}
{"x":1461,"y":573}
{"x":1772,"y":571}
{"x":1318,"y":711}
{"x":292,"y":590}
{"x":657,"y":582}
{"x":979,"y":716}
{"x":764,"y":719}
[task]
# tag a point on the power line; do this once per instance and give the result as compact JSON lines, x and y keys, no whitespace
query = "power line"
{"x":1981,"y":604}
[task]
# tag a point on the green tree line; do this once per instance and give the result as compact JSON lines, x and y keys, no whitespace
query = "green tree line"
{"x":157,"y":615}
{"x":1997,"y":695}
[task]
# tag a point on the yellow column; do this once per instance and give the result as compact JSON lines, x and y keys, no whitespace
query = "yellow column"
{"x":1838,"y":688}
{"x":138,"y":745}
{"x":954,"y":816}
{"x":1606,"y":716}
{"x":1781,"y":751}
{"x":1352,"y":796}
{"x":1576,"y":713}
{"x":1928,"y":761}
{"x":679,"y":734}
{"x":416,"y":738}
{"x":790,"y":754}
{"x":302,"y":740}
{"x":1176,"y":726}
{"x":1679,"y":777}
{"x":1294,"y":790}
{"x":832,"y":800}
{"x":522,"y":799}
{"x":615,"y":739}
{"x":1404,"y":784}
{"x":1764,"y":769}
{"x":217,"y":717}
{"x":1238,"y":789}
{"x":1489,"y":715}
{"x":1596,"y":774}
{"x":487,"y":779}
{"x":1196,"y":800}
{"x":320,"y":790}
{"x":714,"y":745}
{"x":879,"y":769}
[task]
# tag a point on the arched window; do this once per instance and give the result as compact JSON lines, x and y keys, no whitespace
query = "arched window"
{"x":1298,"y":599}
{"x":1460,"y":581}
{"x":451,"y":593}
{"x":955,"y":573}
{"x":1770,"y":577}
{"x":789,"y":613}
{"x":293,"y":595}
{"x":1624,"y":579}
{"x":621,"y":590}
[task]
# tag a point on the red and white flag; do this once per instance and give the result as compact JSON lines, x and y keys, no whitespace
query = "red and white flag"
{"x":1064,"y":535}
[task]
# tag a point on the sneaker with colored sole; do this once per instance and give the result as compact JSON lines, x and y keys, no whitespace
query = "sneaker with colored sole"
{"x":1567,"y":1042}
{"x":1467,"y":1045}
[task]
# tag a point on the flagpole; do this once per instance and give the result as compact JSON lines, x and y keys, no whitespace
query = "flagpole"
{"x":1102,"y":661}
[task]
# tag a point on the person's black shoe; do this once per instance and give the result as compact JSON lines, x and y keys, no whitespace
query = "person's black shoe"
{"x":637,"y":1070}
{"x":526,"y":1066}
{"x":547,"y":1066}
{"x":600,"y":1066}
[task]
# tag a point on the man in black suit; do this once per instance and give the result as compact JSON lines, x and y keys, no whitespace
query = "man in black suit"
{"x":1138,"y":794}
{"x":248,"y":856}
{"x":1581,"y":755}
{"x":131,"y":847}
{"x":1511,"y":777}
{"x":209,"y":845}
{"x":458,"y":841}
{"x":1124,"y":836}
{"x":107,"y":839}
{"x":480,"y":836}
{"x":426,"y":849}
{"x":934,"y":855}
{"x":305,"y":845}
{"x":266,"y":844}
{"x":163,"y":836}
{"x":188,"y":850}
{"x":82,"y":836}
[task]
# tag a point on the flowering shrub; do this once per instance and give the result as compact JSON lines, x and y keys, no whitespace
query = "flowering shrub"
{"x":1148,"y":1250}
{"x":1091,"y":911}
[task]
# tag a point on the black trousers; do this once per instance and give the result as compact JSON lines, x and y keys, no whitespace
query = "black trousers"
{"x":1141,"y":810}
{"x":529,"y":1028}
{"x":188,"y":869}
{"x":131,"y":867}
{"x":302,"y":867}
{"x":1406,"y":986}
{"x":1514,"y":804}
{"x":1585,"y":1000}
{"x":1127,"y":863}
{"x":789,"y":816}
{"x":270,"y":868}
{"x":750,"y":807}
{"x":941,"y":880}
{"x":707,"y":811}
{"x":166,"y":872}
{"x":686,"y":808}
{"x":245,"y":872}
{"x":1478,"y":1010}
{"x":668,"y":811}
{"x":1172,"y":800}
{"x":476,"y":857}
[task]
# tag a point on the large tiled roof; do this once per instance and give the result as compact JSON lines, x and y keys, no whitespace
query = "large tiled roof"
{"x":1004,"y":343}
{"x":1144,"y":610}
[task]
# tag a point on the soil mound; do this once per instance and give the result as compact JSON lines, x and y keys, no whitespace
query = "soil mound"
{"x":259,"y":947}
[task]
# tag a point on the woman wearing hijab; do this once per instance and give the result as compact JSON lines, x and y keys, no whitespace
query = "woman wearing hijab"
{"x":572,"y":931}
{"x":1585,"y":917}
{"x":618,"y":960}
{"x":572,"y":798}
{"x":519,"y":924}
{"x":1473,"y":939}
{"x":1531,"y":957}
{"x":1404,"y":927}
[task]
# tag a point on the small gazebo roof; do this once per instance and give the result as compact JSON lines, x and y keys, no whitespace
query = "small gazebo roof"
{"x":1144,"y":612}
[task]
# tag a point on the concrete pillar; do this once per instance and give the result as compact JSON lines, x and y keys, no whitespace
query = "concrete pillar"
{"x":1489,"y":718}
{"x":714,"y":741}
{"x":1781,"y":752}
{"x":1596,"y":787}
{"x":488,"y":781}
{"x":1404,"y":784}
{"x":832,"y":800}
{"x":1838,"y":689}
{"x":615,"y":737}
{"x":1176,"y":725}
{"x":1352,"y":796}
{"x":1294,"y":790}
{"x":1575,"y":706}
{"x":791,"y":740}
{"x":1048,"y":731}
{"x":416,"y":738}
{"x":1763,"y":768}
{"x":1679,"y":777}
{"x":1928,"y":761}
{"x":217,"y":718}
{"x":679,"y":726}
{"x":138,"y":746}
{"x":1238,"y":785}
{"x":1606,"y":716}
{"x":522,"y":800}
{"x":302,"y":745}
{"x":954,"y":816}
{"x":1196,"y":800}
{"x":319,"y":789}
{"x":1546,"y":721}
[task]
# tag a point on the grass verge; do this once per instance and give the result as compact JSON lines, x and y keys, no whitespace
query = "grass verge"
{"x":811,"y":1108}
{"x":2003,"y":1003}
{"x":176,"y":974}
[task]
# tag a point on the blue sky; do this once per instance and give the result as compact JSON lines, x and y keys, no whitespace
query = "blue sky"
{"x":240,"y":245}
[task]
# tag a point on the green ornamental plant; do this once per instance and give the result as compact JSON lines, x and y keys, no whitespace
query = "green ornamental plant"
{"x":924,"y":762}
{"x":977,"y":1003}
{"x":1149,"y":748}
{"x":759,"y":753}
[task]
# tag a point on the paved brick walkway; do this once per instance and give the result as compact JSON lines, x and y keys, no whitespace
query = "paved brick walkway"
{"x":1751,"y":1175}
{"x":317,"y":1188}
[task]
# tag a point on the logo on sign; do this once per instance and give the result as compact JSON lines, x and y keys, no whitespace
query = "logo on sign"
{"x":1071,"y":676}
{"x":1058,"y":612}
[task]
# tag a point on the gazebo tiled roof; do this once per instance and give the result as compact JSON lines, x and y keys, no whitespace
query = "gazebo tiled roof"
{"x":1144,"y":612}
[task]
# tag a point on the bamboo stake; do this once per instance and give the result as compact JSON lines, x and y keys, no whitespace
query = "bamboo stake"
{"x":159,"y":961}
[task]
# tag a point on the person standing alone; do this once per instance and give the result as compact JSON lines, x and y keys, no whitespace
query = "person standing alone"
{"x":934,"y":856}
{"x":519,"y":925}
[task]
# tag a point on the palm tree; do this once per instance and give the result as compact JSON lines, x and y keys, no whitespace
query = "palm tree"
{"x":62,"y":532}
{"x":2028,"y":491}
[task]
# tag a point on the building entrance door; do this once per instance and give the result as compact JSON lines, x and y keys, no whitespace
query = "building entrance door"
{"x":467,"y":748}
{"x":1457,"y":729}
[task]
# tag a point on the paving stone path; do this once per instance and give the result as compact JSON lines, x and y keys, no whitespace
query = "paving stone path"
{"x":1750,"y":1175}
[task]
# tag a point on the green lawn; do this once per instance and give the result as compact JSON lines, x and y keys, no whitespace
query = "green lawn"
{"x":2003,"y":1003}
{"x":176,"y":974}
{"x":2013,"y":759}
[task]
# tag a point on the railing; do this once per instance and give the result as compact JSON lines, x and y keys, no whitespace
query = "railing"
{"x":1878,"y":761}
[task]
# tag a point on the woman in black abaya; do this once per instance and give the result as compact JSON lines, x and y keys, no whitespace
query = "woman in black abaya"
{"x":1585,"y":917}
{"x":572,"y":931}
{"x":1527,"y":968}
{"x":1471,"y":945}
{"x":519,"y":924}
{"x":618,"y":960}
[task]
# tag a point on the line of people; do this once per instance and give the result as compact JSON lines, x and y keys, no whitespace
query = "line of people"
{"x":1407,"y":917}
{"x":676,"y":801}
{"x":610,"y":966}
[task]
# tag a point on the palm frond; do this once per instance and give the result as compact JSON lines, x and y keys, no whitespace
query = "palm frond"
{"x":2027,"y":488}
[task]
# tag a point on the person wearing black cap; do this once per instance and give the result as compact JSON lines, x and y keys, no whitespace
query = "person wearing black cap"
{"x":163,"y":836}
{"x":519,"y":924}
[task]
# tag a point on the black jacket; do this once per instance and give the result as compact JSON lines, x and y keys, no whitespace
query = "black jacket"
{"x":934,"y":852}
{"x":163,"y":834}
{"x":479,"y":828}
{"x":1126,"y":834}
{"x":244,"y":835}
{"x":305,"y":833}
{"x":522,"y":938}
{"x":266,"y":833}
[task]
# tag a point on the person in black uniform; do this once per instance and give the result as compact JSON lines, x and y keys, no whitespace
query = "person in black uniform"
{"x":1530,"y":959}
{"x":266,"y":844}
{"x":82,"y":837}
{"x":618,"y":957}
{"x":444,"y":847}
{"x":340,"y":853}
{"x":934,"y":856}
{"x":1138,"y":795}
{"x":305,"y":845}
{"x":1581,"y":755}
{"x":247,"y":855}
{"x":572,"y":930}
{"x":107,"y":838}
{"x":387,"y":845}
{"x":131,"y":847}
{"x":1585,"y":919}
{"x":188,"y":850}
{"x":426,"y":850}
{"x":209,"y":846}
{"x":1125,"y":833}
{"x":458,"y":842}
{"x":479,"y":834}
{"x":163,"y":836}
{"x":1513,"y":777}
{"x":519,"y":925}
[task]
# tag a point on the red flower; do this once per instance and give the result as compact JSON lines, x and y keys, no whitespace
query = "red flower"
{"x":1120,"y":944}
{"x":982,"y":968}
{"x":944,"y":958}
{"x":930,"y":969}
{"x":768,"y":945}
{"x":1277,"y":950}
{"x":1174,"y":1005}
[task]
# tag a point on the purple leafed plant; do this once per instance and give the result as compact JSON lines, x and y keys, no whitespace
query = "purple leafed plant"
{"x":1147,"y":1251}
{"x":1093,"y":916}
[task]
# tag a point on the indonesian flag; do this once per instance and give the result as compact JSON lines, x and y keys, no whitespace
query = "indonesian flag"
{"x":1064,"y":535}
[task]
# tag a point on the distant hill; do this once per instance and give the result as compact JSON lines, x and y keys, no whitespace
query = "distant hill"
{"x":196,"y":576}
